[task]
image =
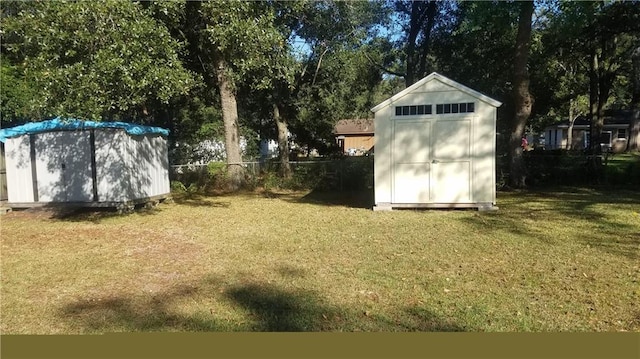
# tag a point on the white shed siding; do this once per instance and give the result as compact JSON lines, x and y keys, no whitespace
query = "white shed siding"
{"x":127,"y":167}
{"x":18,"y":160}
{"x":150,"y":165}
{"x":112,"y":174}
{"x":382,"y":157}
{"x":437,"y":159}
{"x":161,"y":173}
{"x":130,"y":167}
{"x":484,"y":144}
{"x":63,"y":166}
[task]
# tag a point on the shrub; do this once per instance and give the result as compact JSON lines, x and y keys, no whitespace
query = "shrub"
{"x":178,"y":187}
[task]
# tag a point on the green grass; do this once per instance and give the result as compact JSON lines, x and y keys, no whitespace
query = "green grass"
{"x":623,"y":168}
{"x":566,"y":260}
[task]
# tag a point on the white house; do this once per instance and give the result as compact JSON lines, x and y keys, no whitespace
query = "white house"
{"x":86,"y":163}
{"x":615,"y":132}
{"x":435,"y":147}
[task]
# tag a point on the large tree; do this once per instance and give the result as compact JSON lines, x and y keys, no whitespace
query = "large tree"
{"x":323,"y":77}
{"x":522,"y":98}
{"x":634,"y":133}
{"x":227,"y":41}
{"x":421,"y":16}
{"x":106,"y":59}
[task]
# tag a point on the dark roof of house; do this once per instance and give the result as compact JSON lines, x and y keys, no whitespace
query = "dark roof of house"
{"x":361,"y":126}
{"x":611,"y":118}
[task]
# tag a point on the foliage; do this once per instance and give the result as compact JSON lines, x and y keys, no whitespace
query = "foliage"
{"x":340,"y":174}
{"x":316,"y":61}
{"x":179,"y":189}
{"x":19,"y":99}
{"x":93,"y":59}
{"x":586,"y":50}
{"x":479,"y":49}
{"x":304,"y":84}
{"x":200,"y":179}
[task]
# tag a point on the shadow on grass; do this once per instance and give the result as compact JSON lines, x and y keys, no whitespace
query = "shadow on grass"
{"x":275,"y":310}
{"x":417,"y":319}
{"x":81,"y":214}
{"x":353,"y":199}
{"x":200,"y":201}
{"x":291,"y":271}
{"x":122,"y":314}
{"x":263,"y":308}
{"x":566,"y":208}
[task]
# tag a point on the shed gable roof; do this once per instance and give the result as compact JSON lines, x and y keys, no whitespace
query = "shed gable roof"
{"x":442,"y":79}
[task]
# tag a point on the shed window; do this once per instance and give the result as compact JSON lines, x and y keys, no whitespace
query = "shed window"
{"x":465,"y":107}
{"x":622,"y":133}
{"x":413,"y":110}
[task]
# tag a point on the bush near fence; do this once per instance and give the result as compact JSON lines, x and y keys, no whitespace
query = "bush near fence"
{"x":338,"y":174}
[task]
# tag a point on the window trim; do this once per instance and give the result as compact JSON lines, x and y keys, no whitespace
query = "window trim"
{"x":624,"y":132}
{"x":448,"y":108}
{"x":413,"y":110}
{"x":451,"y":108}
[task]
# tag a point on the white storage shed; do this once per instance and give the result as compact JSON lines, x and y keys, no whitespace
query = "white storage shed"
{"x":86,"y":163}
{"x":435,"y":147}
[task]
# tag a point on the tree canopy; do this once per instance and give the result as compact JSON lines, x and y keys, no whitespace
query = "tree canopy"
{"x":89,"y":59}
{"x":288,"y":70}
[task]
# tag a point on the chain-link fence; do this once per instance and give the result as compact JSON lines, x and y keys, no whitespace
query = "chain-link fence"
{"x":345,"y":173}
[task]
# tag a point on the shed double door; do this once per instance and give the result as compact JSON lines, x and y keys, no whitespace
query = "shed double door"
{"x":431,"y":161}
{"x":63,"y":166}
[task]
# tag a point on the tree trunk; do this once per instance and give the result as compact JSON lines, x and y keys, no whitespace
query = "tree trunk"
{"x":412,"y":36}
{"x":432,"y":12}
{"x":522,"y":98}
{"x":421,"y":19}
{"x":230,"y":120}
{"x":634,"y":126}
{"x":283,"y":142}
{"x":596,"y":123}
{"x":570,"y":129}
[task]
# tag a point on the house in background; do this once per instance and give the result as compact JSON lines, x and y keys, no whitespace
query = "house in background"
{"x":615,"y":132}
{"x":355,"y":137}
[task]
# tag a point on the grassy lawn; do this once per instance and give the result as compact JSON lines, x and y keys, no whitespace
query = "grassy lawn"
{"x":567,"y":260}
